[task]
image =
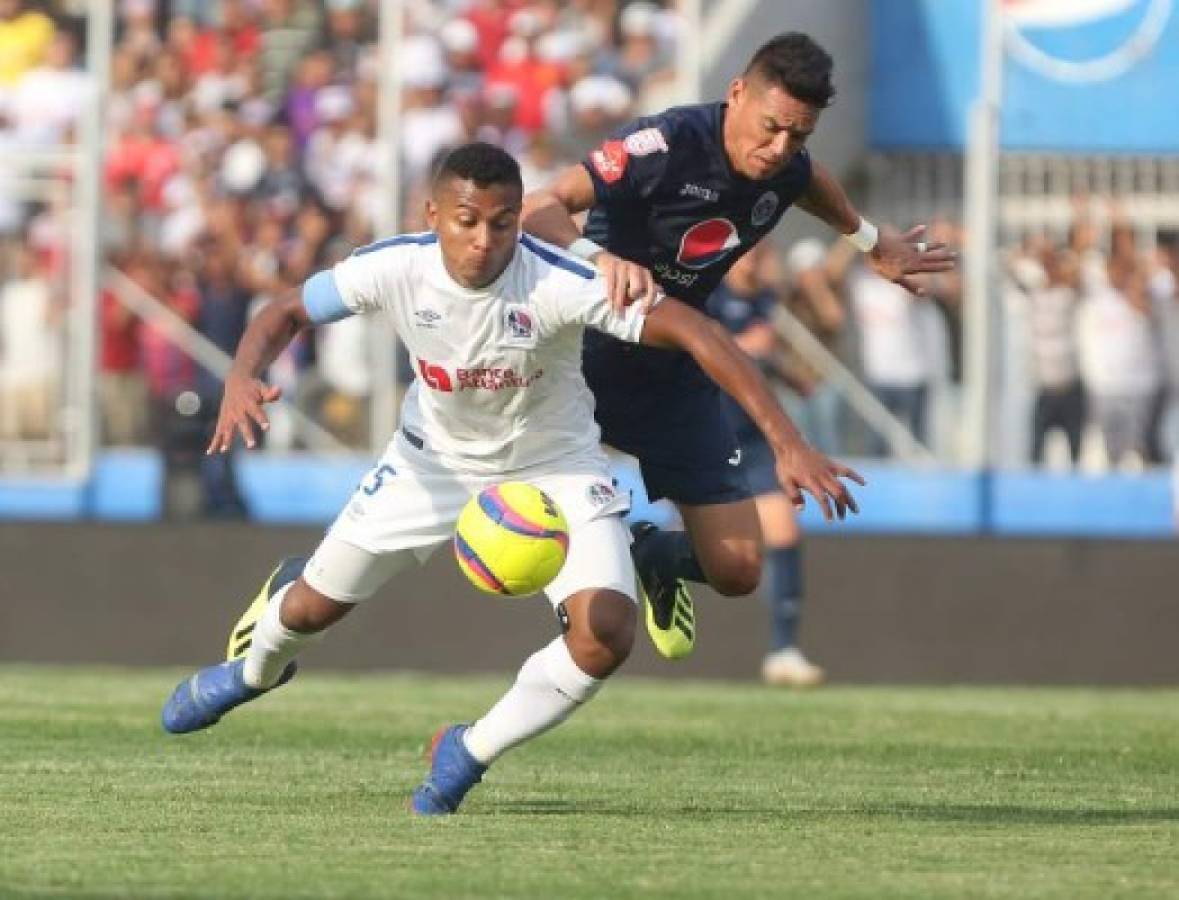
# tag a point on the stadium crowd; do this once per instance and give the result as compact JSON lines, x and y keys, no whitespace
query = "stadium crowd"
{"x":243,"y":156}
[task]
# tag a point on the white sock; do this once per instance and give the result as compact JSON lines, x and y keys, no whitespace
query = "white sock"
{"x":548,"y":689}
{"x":274,"y":645}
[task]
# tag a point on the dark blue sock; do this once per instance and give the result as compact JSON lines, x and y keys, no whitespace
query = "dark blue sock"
{"x":784,"y":595}
{"x":669,"y":555}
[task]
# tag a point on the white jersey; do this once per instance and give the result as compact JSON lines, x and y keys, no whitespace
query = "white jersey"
{"x":499,"y":384}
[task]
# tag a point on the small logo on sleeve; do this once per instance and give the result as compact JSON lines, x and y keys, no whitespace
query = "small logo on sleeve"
{"x":645,"y":142}
{"x":609,"y":161}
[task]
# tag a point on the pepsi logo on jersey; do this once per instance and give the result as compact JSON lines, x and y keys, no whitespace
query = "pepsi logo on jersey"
{"x":707,"y":242}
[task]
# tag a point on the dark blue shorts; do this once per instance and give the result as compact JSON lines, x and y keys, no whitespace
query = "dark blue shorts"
{"x":670,"y":417}
{"x":757,"y":464}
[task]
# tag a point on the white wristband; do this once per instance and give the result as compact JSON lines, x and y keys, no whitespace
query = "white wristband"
{"x":584,"y":248}
{"x":865,"y":237}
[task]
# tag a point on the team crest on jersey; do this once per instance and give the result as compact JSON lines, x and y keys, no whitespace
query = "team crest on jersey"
{"x":519,"y":326}
{"x":645,"y":142}
{"x":600,"y":493}
{"x":609,"y":161}
{"x":707,"y":242}
{"x":764,"y":208}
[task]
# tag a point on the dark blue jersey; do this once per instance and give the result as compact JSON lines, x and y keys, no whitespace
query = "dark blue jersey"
{"x":667,"y":198}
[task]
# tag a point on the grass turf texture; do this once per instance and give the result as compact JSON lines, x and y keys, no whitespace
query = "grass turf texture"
{"x":656,"y":790}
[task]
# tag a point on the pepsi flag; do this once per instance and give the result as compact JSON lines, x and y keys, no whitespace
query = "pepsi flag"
{"x":1084,"y":76}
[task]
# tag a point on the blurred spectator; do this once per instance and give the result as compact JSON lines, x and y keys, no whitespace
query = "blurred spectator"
{"x":1050,"y":284}
{"x":47,"y":101}
{"x":598,"y":106}
{"x":121,"y":389}
{"x":520,"y":66}
{"x":137,"y":29}
{"x":346,"y":34}
{"x":640,"y":57}
{"x":460,"y":40}
{"x":289,"y":28}
{"x":894,"y":348}
{"x":1119,"y":361}
{"x":30,"y":349}
{"x":490,"y":18}
{"x":25,"y":37}
{"x":428,"y":123}
{"x":813,"y":300}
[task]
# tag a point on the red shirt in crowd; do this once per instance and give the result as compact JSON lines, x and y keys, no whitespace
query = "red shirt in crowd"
{"x":148,"y":160}
{"x":120,"y":336}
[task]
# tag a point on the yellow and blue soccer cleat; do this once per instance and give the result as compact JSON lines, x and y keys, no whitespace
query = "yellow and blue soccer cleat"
{"x":670,"y":613}
{"x":453,"y":772}
{"x":242,"y":635}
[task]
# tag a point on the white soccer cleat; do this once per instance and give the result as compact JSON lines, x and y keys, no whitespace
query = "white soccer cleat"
{"x":789,"y":668}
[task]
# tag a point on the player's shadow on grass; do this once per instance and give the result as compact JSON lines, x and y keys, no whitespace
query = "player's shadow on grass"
{"x":558,"y":808}
{"x":983,"y":814}
{"x":976,"y":814}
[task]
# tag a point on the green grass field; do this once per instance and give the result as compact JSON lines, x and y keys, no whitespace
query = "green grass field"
{"x":656,"y":790}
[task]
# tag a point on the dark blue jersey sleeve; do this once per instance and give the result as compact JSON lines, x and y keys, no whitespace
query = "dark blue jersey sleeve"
{"x":631,"y":163}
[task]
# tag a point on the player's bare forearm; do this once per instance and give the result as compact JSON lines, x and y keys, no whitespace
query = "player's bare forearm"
{"x":268,"y":334}
{"x":547,"y":218}
{"x":548,"y":212}
{"x":245,"y":395}
{"x":826,"y":199}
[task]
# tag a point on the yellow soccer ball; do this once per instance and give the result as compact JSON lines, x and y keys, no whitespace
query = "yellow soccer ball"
{"x":511,"y":539}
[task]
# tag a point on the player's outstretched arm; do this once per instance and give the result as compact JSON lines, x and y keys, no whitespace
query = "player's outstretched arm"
{"x":548,"y":214}
{"x":894,"y":255}
{"x":266,"y":337}
{"x":800,"y":467}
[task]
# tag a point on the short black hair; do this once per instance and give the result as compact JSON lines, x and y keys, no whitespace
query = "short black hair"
{"x":480,"y":162}
{"x":795,"y":63}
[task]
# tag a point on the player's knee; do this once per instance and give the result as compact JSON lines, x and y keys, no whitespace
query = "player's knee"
{"x":600,"y":639}
{"x":737,"y":575}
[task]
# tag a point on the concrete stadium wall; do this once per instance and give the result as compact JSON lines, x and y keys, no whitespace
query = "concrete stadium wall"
{"x":880,"y":609}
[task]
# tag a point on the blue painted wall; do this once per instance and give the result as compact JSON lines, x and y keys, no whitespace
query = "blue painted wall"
{"x":127,"y":486}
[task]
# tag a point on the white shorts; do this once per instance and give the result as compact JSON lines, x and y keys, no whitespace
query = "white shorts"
{"x":406,"y":507}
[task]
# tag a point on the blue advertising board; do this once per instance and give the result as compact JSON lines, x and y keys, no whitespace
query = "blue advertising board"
{"x":1082,"y":76}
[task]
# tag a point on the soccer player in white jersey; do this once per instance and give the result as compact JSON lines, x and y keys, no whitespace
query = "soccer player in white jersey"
{"x":494,"y":321}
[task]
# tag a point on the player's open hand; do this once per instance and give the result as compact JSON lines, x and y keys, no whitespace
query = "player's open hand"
{"x":898,"y":257}
{"x":626,"y":282}
{"x":803,"y":468}
{"x":242,"y":411}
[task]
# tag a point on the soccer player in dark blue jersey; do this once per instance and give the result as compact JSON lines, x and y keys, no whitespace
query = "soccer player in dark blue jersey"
{"x":674,"y":200}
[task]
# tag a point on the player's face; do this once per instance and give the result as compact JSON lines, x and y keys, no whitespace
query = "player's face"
{"x":764,"y":127}
{"x":477,"y":228}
